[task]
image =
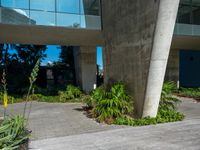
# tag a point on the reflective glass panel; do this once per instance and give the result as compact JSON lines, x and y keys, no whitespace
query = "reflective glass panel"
{"x":46,"y":5}
{"x":90,"y":7}
{"x":70,"y":6}
{"x":68,"y":20}
{"x":43,"y":18}
{"x":15,"y":3}
{"x":14,"y":16}
{"x":184,"y":14}
{"x":90,"y":22}
{"x":196,"y":15}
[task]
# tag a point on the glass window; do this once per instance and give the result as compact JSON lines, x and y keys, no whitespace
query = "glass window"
{"x":15,"y":3}
{"x":90,"y":22}
{"x":90,"y":7}
{"x":184,"y":14}
{"x":68,"y":20}
{"x":14,"y":16}
{"x":196,"y":15}
{"x":189,"y":12}
{"x":43,"y":18}
{"x":46,"y":5}
{"x":70,"y":6}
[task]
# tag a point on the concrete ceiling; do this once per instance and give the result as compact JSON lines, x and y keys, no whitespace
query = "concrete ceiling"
{"x":27,"y":34}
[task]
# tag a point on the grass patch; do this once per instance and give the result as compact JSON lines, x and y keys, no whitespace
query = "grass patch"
{"x":190,"y":92}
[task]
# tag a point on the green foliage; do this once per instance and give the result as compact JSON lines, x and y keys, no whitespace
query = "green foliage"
{"x":107,"y":106}
{"x":115,"y":106}
{"x":190,"y":92}
{"x":163,"y":116}
{"x":96,"y":95}
{"x":13,"y":133}
{"x":167,"y":100}
{"x":169,"y":87}
{"x":19,"y":60}
{"x":71,"y":92}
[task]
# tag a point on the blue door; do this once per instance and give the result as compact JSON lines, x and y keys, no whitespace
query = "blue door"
{"x":189,"y":68}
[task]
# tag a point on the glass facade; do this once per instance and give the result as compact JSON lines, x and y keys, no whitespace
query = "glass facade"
{"x":188,"y":19}
{"x":65,"y":13}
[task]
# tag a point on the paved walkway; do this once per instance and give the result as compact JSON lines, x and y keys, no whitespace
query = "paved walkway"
{"x":65,"y":127}
{"x":49,"y":120}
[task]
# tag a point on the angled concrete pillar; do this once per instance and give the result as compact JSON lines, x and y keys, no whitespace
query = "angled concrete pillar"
{"x":133,"y":41}
{"x":161,"y":46}
{"x":85,"y":67}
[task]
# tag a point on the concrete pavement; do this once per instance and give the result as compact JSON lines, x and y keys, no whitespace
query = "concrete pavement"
{"x":65,"y":127}
{"x":49,"y":120}
{"x":170,"y":136}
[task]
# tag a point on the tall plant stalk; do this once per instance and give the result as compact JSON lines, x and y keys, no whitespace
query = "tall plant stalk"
{"x":5,"y":95}
{"x":32,"y":79}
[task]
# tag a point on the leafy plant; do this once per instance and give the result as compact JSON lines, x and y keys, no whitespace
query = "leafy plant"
{"x":168,"y":101}
{"x":115,"y":106}
{"x":169,"y":87}
{"x":71,"y":92}
{"x":96,"y":95}
{"x":13,"y":133}
{"x":107,"y":106}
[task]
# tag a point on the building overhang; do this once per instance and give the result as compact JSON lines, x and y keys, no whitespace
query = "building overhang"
{"x":186,"y":42}
{"x":47,"y":35}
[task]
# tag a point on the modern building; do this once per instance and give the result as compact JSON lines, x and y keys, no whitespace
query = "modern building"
{"x":139,"y":37}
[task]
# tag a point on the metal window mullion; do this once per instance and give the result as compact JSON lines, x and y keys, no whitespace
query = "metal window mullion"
{"x":55,"y":12}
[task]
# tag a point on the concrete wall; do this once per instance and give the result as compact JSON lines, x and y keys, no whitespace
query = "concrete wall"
{"x":85,"y":67}
{"x":128,"y":31}
{"x":137,"y":42}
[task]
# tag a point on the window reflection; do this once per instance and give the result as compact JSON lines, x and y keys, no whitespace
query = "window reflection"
{"x":15,"y":16}
{"x":15,"y":3}
{"x":46,"y":5}
{"x":90,"y":7}
{"x":68,"y":20}
{"x":70,"y":6}
{"x":43,"y":18}
{"x":65,"y":13}
{"x":189,"y":12}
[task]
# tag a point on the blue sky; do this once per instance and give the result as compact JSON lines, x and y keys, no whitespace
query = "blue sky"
{"x":53,"y":52}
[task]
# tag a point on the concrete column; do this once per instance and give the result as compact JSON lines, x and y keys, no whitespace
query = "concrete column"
{"x":161,"y":46}
{"x":85,"y":67}
{"x":128,"y":29}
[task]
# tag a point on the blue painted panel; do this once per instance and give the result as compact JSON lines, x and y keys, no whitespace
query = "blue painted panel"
{"x":189,"y":68}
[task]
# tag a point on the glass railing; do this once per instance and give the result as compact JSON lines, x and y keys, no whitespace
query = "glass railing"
{"x":62,"y":13}
{"x":187,"y":29}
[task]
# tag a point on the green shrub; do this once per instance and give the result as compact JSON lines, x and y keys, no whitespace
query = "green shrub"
{"x":169,"y":87}
{"x":96,"y":95}
{"x":115,"y":106}
{"x":168,"y":101}
{"x":13,"y":133}
{"x":107,"y":106}
{"x":71,"y":92}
